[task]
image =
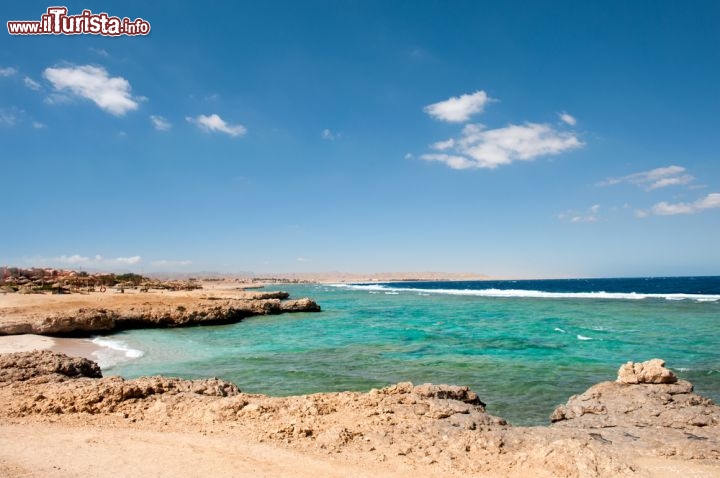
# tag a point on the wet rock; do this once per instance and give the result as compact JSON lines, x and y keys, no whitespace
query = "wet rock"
{"x":299,"y":305}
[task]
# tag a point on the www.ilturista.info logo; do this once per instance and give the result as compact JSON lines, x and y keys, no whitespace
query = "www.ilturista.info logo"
{"x":57,"y":22}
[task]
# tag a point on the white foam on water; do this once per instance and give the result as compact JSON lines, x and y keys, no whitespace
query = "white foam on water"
{"x":558,"y":329}
{"x":392,"y":293}
{"x":521,"y":293}
{"x":113,"y":352}
{"x":582,"y":337}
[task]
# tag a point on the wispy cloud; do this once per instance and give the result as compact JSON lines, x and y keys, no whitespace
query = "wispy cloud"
{"x":216,"y":123}
{"x":160,"y":123}
{"x":454,"y":161}
{"x":478,"y":147}
{"x":420,"y":53}
{"x":303,"y":259}
{"x":168,"y":263}
{"x":710,"y":201}
{"x":77,"y":259}
{"x":458,"y":109}
{"x":329,"y":135}
{"x":32,"y":84}
{"x":589,"y":215}
{"x":100,"y":51}
{"x":74,"y":259}
{"x":567,"y":118}
{"x":111,"y":94}
{"x":38,"y":125}
{"x":654,"y":179}
{"x":8,"y":117}
{"x":443,"y":145}
{"x":7,"y":71}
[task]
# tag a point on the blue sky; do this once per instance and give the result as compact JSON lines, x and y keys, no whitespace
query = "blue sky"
{"x":523,"y":139}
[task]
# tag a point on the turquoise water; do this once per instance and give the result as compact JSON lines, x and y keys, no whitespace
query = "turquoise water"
{"x":522,"y":355}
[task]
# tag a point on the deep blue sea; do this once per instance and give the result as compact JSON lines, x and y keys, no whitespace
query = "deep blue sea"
{"x":523,"y":346}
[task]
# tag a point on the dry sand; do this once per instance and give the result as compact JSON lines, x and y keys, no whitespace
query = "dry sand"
{"x":27,"y":342}
{"x":24,"y":343}
{"x":56,"y":450}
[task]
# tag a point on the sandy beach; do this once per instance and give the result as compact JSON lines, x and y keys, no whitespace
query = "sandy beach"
{"x":111,"y":451}
{"x":73,"y":451}
{"x":28,"y":342}
{"x":25,"y":343}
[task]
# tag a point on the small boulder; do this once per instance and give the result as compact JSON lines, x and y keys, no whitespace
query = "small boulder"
{"x":21,"y":366}
{"x":652,"y":371}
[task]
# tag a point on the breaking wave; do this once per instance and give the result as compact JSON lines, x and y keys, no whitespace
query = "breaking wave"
{"x":112,"y":352}
{"x":535,"y":294}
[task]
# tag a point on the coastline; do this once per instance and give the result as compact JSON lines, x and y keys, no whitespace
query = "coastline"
{"x":648,"y":426}
{"x":648,"y":422}
{"x":25,"y":343}
{"x":74,"y":347}
{"x":99,"y":312}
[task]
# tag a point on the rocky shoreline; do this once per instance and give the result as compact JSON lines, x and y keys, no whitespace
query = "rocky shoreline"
{"x":638,"y":425}
{"x":82,"y":315}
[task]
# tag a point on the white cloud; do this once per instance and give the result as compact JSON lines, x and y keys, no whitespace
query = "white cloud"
{"x":590,"y":215}
{"x":74,"y":259}
{"x":710,"y":201}
{"x":327,"y":134}
{"x":38,"y":125}
{"x":7,"y":71}
{"x":100,"y":51}
{"x":32,"y":84}
{"x":567,"y":118}
{"x":455,"y":162}
{"x":676,"y":181}
{"x":57,"y":99}
{"x":478,"y":147}
{"x":167,"y":263}
{"x":7,"y":117}
{"x":111,"y":94}
{"x":96,"y":260}
{"x":443,"y":145}
{"x":409,"y":156}
{"x":160,"y":123}
{"x":459,"y":108}
{"x":125,"y":260}
{"x":654,"y":179}
{"x":303,"y":259}
{"x":216,"y":123}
